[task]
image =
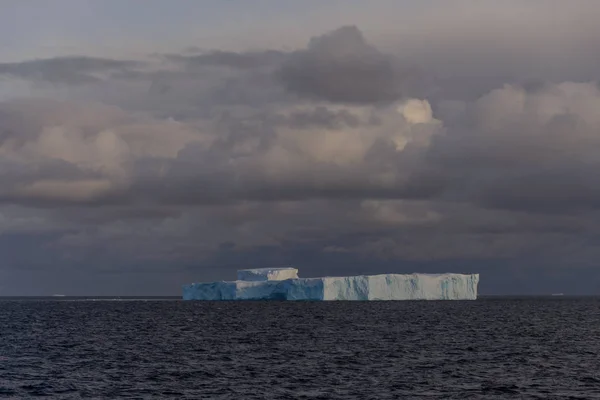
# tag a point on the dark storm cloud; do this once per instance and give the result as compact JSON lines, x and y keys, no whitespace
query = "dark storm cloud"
{"x":65,"y":70}
{"x":341,"y":66}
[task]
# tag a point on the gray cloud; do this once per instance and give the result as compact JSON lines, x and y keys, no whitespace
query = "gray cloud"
{"x":65,"y":70}
{"x":116,"y":157}
{"x":533,"y":150}
{"x":322,"y":117}
{"x":341,"y":66}
{"x":218,"y":58}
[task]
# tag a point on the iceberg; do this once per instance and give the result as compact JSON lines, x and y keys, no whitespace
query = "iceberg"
{"x":284,"y":284}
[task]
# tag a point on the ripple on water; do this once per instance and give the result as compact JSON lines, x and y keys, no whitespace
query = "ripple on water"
{"x":490,"y":348}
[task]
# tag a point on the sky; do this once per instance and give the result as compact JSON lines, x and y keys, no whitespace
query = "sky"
{"x":149,"y":144}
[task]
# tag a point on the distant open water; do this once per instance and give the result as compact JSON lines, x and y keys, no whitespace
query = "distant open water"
{"x":495,"y":348}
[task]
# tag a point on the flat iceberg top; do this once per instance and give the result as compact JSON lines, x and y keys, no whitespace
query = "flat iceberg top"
{"x":264,"y":270}
{"x":438,"y":275}
{"x":267,"y":274}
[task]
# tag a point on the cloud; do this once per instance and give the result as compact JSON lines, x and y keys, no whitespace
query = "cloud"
{"x":297,"y":153}
{"x":65,"y":152}
{"x":324,"y":156}
{"x":369,"y":180}
{"x":235,"y":60}
{"x":66,"y":70}
{"x":341,"y":66}
{"x":320,"y":116}
{"x":530,"y":150}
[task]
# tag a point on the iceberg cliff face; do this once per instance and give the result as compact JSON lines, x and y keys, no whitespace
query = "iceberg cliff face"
{"x":273,"y":284}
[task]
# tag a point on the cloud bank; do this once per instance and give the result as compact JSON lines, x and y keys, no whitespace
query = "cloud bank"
{"x":194,"y":164}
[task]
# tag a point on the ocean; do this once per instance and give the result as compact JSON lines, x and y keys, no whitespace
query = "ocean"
{"x":491,"y":348}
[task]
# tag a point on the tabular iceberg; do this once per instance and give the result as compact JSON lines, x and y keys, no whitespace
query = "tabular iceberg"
{"x":284,"y":284}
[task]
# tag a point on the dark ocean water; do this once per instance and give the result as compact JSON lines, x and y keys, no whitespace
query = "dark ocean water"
{"x":495,"y":348}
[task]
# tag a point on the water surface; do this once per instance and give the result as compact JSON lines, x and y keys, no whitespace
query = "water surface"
{"x":492,"y":348}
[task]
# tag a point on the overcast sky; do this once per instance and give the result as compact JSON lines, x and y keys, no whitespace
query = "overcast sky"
{"x":148,"y":144}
